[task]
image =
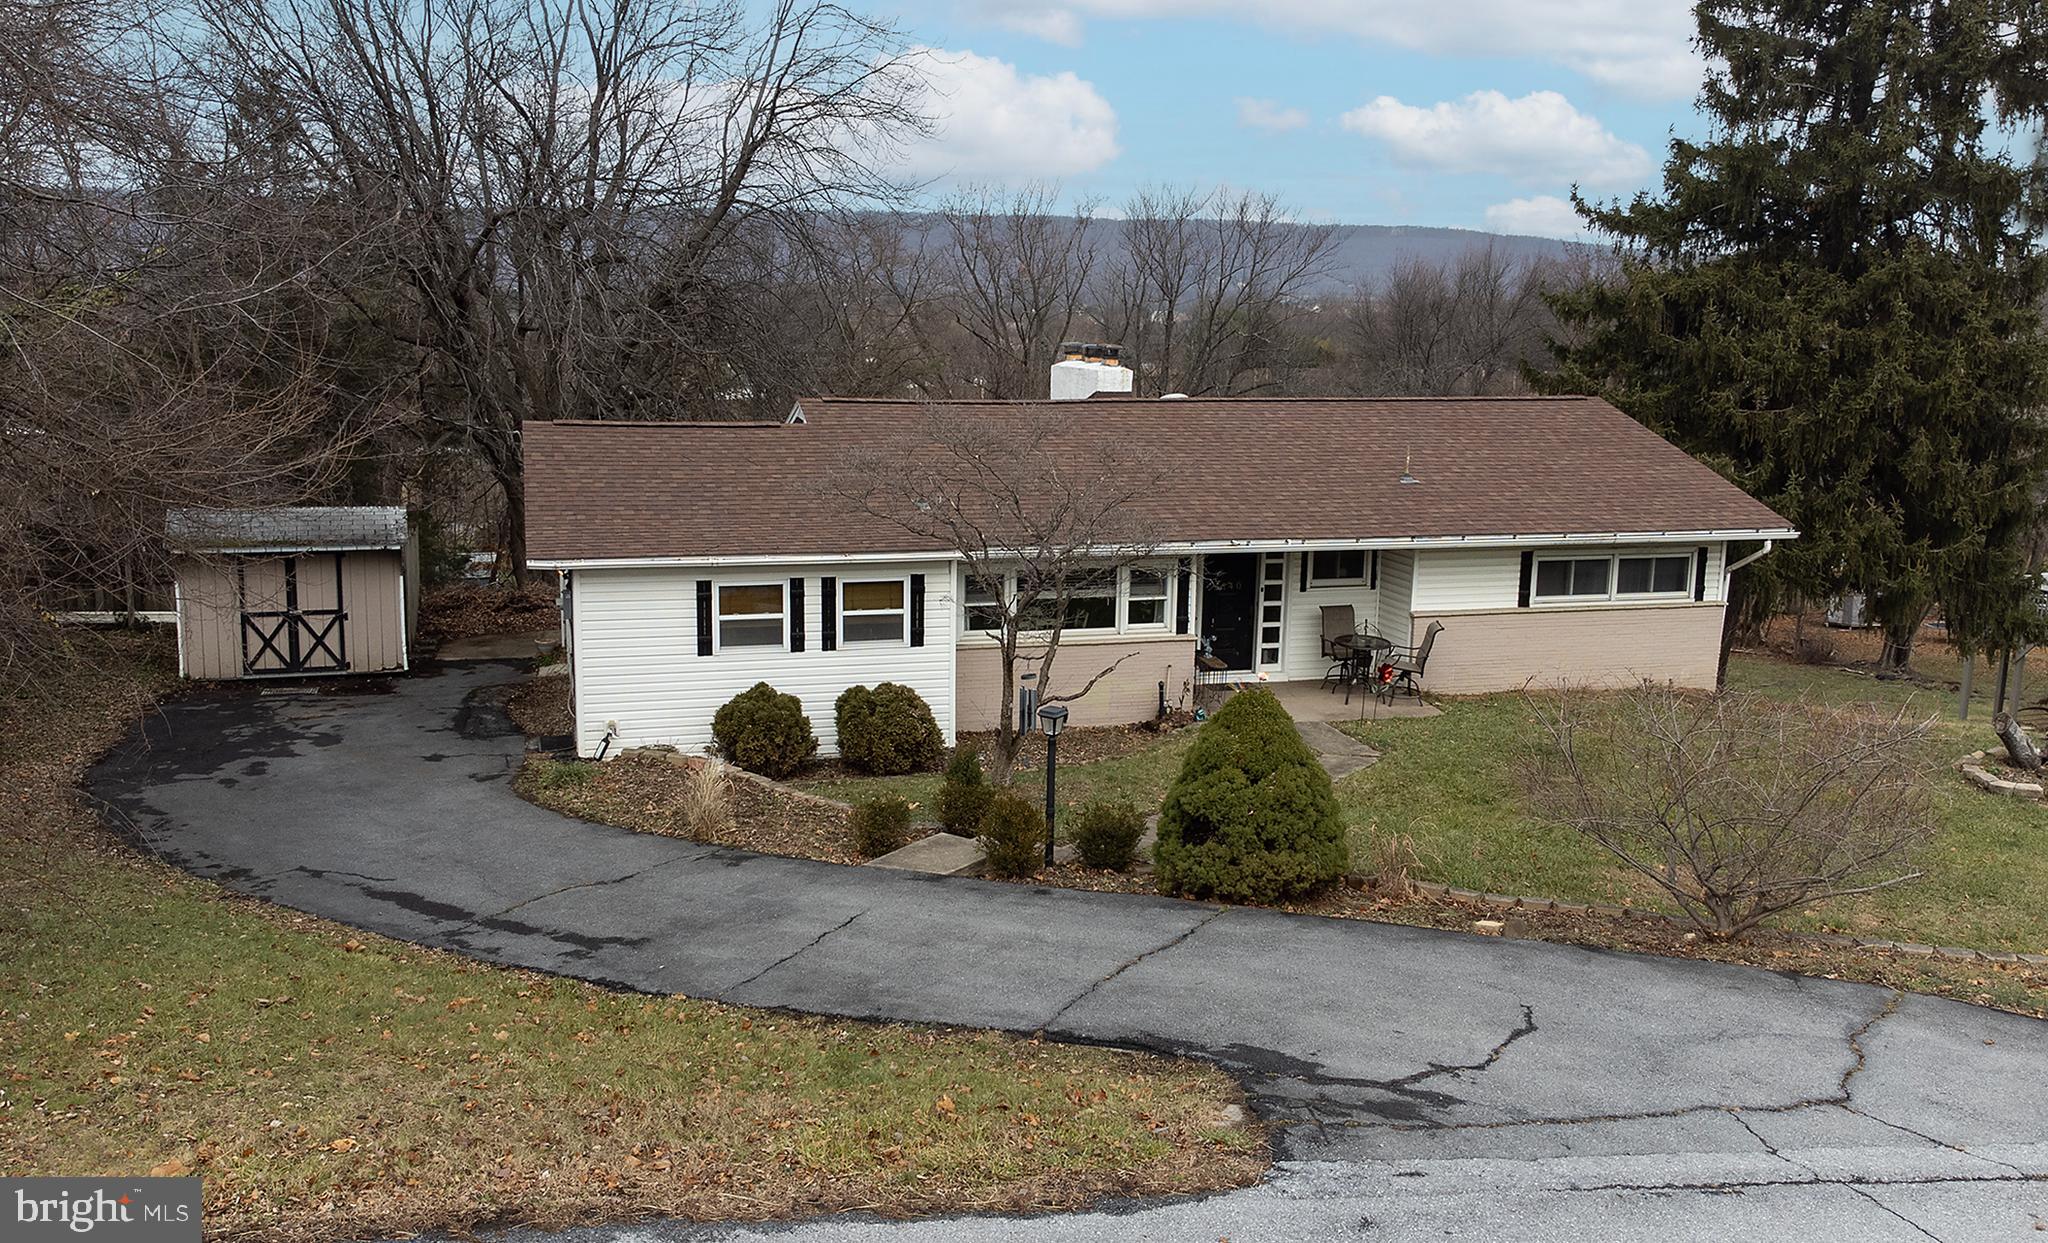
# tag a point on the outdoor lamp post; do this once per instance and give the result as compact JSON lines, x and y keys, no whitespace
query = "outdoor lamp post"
{"x":1052,"y":718}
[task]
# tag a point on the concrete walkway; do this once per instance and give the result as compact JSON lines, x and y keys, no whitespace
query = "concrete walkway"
{"x":1432,"y":1084}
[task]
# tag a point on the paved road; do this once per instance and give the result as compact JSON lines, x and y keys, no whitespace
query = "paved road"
{"x":1423,"y":1084}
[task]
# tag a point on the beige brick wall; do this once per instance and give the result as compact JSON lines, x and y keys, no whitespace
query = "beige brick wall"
{"x":1129,"y":693}
{"x":1506,"y":649}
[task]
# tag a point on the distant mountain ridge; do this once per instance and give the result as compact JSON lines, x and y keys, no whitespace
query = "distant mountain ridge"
{"x":1367,"y":252}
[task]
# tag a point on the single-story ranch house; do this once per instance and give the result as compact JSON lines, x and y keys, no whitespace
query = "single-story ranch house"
{"x":1555,"y":538}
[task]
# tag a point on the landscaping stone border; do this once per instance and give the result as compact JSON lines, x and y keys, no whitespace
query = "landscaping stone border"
{"x":1972,"y":766}
{"x":1434,"y":889}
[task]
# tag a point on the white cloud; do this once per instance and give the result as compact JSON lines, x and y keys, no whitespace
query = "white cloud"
{"x":996,"y":122}
{"x":1643,"y":47}
{"x":1061,"y":26}
{"x":1542,"y":215}
{"x":1267,"y":115}
{"x":1539,"y":137}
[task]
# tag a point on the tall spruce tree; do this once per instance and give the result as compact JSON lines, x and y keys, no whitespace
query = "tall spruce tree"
{"x":1836,"y":300}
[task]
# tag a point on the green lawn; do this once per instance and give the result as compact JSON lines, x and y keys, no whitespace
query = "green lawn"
{"x":329,"y":1085}
{"x":1454,"y":784}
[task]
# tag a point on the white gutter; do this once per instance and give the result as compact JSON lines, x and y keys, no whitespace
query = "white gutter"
{"x":1758,"y":555}
{"x":1167,"y":548}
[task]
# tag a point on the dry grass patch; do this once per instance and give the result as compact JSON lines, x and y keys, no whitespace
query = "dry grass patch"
{"x":329,"y":1084}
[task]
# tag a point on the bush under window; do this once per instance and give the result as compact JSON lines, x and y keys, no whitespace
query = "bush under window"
{"x":764,"y":731}
{"x":887,"y":730}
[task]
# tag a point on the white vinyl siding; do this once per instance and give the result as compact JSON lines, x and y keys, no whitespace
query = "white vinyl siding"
{"x":637,"y":661}
{"x":1466,"y":578}
{"x":1397,"y":596}
{"x":1304,"y":657}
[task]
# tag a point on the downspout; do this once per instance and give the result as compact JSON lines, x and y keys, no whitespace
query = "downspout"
{"x":1758,"y":555}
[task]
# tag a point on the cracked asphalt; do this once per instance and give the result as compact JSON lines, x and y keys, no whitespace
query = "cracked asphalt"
{"x":1419,"y":1084}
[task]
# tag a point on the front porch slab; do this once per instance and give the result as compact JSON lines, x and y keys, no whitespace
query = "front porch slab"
{"x":1308,"y":701}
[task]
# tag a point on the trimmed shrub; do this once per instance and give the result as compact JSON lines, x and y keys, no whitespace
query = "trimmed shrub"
{"x":764,"y":731}
{"x":887,"y":730}
{"x":880,"y":825}
{"x":1013,"y":834}
{"x":1106,"y":834}
{"x":963,"y":800}
{"x":1251,"y":817}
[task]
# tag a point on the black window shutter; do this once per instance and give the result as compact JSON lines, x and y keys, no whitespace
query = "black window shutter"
{"x":1528,"y":576}
{"x":1184,"y":596}
{"x":917,"y":610}
{"x":828,"y":614}
{"x":1304,"y":569}
{"x":796,"y":615}
{"x":703,"y":617}
{"x":1374,"y":581}
{"x":1699,"y":574}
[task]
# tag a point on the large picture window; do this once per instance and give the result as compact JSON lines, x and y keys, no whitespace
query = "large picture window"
{"x":1104,"y":601}
{"x":874,"y":611}
{"x":752,"y":614}
{"x":1634,"y":576}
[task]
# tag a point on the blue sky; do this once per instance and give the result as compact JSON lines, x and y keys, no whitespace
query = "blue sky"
{"x":1467,"y":113}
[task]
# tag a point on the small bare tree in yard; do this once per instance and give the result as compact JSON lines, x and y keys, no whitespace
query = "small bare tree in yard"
{"x":1737,"y":806}
{"x":1041,"y":512}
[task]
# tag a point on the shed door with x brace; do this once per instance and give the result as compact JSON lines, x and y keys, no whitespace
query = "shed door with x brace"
{"x":292,"y":616}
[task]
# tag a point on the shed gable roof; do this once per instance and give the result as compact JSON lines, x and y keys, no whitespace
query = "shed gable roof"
{"x":302,"y":528}
{"x":1239,"y":469}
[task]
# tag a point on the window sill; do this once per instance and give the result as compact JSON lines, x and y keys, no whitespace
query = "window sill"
{"x":1037,"y":638}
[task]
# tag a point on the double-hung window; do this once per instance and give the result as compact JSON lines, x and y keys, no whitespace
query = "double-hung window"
{"x":874,"y":611}
{"x":1635,"y":576}
{"x":1145,"y":598}
{"x":752,"y":615}
{"x":985,"y":601}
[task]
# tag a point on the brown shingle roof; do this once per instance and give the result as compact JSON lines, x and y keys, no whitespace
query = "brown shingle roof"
{"x":1241,"y":469}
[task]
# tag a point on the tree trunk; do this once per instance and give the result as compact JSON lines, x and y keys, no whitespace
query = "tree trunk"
{"x":2017,"y":745}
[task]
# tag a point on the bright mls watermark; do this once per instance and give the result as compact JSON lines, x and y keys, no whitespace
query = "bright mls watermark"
{"x":107,"y":1210}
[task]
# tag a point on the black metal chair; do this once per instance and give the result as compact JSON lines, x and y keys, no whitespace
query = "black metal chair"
{"x":1408,"y":663}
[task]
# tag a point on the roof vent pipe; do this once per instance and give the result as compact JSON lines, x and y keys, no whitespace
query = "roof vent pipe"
{"x":1408,"y":468}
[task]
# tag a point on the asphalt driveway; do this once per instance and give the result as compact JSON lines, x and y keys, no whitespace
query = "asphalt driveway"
{"x":1423,"y":1084}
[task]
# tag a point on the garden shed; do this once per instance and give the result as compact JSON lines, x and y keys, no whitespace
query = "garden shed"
{"x":293,"y":592}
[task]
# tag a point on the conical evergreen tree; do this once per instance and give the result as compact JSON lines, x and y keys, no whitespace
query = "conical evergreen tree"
{"x":1836,"y":300}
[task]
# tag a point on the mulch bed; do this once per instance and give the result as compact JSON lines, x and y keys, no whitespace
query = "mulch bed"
{"x":467,"y":610}
{"x":540,"y":707}
{"x":643,"y":791}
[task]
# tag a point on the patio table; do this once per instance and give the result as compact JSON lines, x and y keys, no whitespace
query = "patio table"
{"x":1361,"y":654}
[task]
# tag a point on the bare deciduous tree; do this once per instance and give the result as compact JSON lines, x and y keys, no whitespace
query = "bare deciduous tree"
{"x":1038,"y":511}
{"x":1016,"y":276}
{"x":155,"y":347}
{"x":1737,"y":806}
{"x":1469,"y":326}
{"x":549,"y":186}
{"x":1206,"y":287}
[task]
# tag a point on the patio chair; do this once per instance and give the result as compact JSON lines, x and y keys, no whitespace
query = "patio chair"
{"x":1409,"y":662}
{"x":1339,"y":623}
